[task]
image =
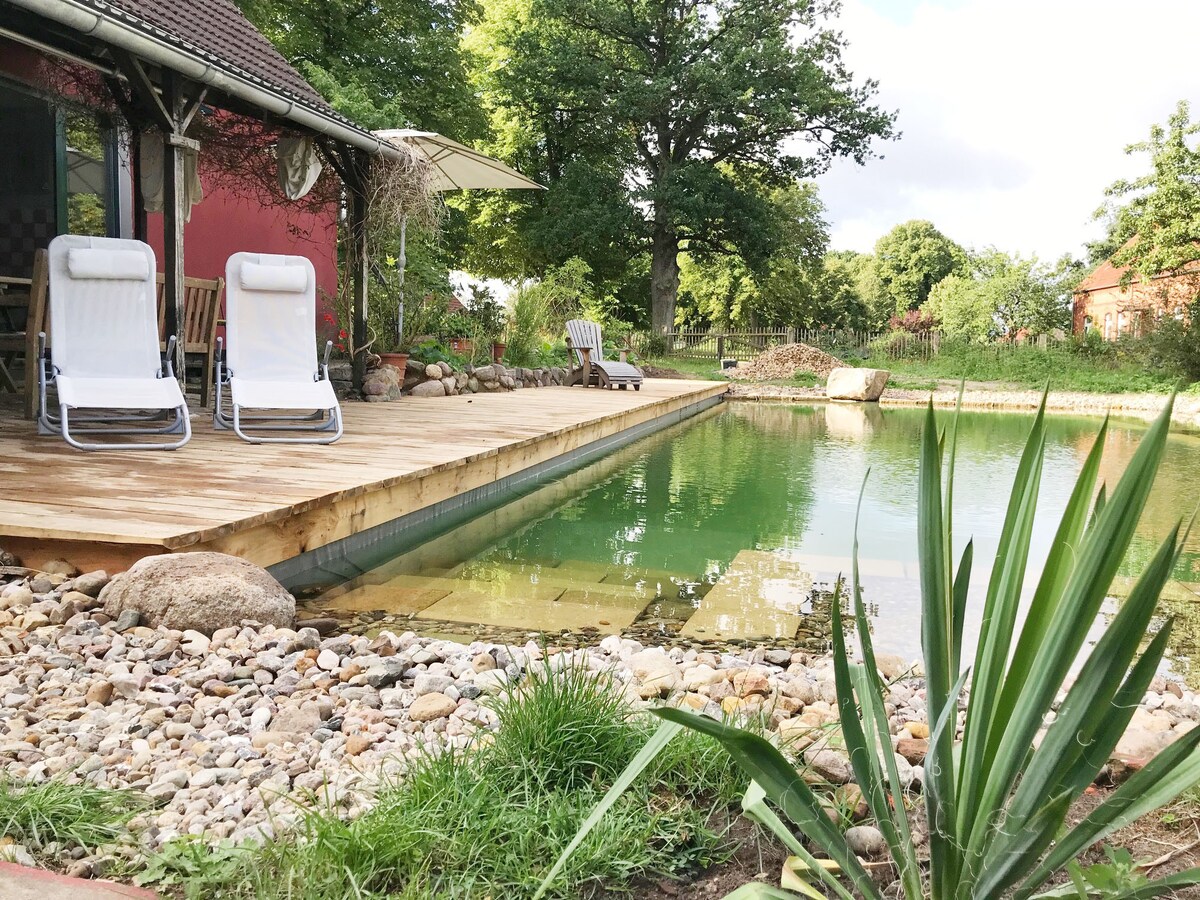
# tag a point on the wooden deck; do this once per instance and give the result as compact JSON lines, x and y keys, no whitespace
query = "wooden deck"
{"x":269,"y":503}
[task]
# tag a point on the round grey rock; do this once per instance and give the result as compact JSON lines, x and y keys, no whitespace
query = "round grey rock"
{"x":199,"y":591}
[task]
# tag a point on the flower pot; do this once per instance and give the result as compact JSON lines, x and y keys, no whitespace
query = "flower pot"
{"x":399,"y":360}
{"x":498,"y":351}
{"x":462,"y":345}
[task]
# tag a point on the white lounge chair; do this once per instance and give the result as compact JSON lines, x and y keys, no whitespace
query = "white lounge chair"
{"x":583,"y":338}
{"x":270,"y":362}
{"x":104,"y":358}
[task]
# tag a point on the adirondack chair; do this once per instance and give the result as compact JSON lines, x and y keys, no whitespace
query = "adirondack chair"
{"x":201,"y":309}
{"x":583,"y":339}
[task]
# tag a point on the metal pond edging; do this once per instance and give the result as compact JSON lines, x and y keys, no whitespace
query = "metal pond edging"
{"x":351,"y":556}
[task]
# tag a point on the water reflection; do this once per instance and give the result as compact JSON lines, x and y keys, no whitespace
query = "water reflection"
{"x":725,"y":523}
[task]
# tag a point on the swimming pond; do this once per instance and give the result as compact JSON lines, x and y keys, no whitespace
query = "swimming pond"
{"x":733,"y":525}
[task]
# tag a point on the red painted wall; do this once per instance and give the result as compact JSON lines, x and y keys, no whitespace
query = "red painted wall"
{"x":225,"y":223}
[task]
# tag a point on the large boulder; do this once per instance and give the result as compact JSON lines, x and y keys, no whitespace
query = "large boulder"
{"x":432,"y":388}
{"x":199,"y":591}
{"x":856,"y":384}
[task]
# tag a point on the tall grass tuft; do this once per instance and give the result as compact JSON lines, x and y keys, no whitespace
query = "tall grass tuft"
{"x":490,"y":821}
{"x":563,"y":730}
{"x":71,"y":814}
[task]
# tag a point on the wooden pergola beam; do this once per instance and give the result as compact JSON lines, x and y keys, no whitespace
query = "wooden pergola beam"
{"x":354,"y":168}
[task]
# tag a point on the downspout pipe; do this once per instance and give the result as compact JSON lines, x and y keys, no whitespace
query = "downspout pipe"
{"x":82,"y":18}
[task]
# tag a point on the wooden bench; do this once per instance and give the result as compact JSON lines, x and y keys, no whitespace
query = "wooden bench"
{"x":201,"y":309}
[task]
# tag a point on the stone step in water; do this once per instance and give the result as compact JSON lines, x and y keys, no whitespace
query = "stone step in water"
{"x":404,"y":594}
{"x":761,"y":595}
{"x":535,"y":607}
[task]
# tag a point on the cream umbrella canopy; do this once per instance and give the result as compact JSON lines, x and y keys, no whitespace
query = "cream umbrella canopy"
{"x":457,"y":167}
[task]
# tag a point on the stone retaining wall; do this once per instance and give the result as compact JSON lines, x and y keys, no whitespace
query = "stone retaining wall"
{"x":440,"y":380}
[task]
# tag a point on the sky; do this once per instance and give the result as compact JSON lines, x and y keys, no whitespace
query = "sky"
{"x":1015,"y":114}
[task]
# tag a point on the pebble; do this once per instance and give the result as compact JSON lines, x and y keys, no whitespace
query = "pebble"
{"x":866,"y":841}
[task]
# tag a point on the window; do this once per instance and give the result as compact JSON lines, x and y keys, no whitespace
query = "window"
{"x":1088,"y":325}
{"x":1121,"y":323}
{"x":88,"y":158}
{"x":1108,"y":326}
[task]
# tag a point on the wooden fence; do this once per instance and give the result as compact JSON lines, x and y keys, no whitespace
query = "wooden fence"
{"x":745,"y":344}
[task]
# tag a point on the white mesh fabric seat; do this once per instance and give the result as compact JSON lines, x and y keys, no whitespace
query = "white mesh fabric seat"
{"x":270,"y":364}
{"x":584,"y":335}
{"x":105,"y":356}
{"x":132,"y":393}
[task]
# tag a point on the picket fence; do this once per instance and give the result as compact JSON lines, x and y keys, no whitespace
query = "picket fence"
{"x":745,"y":344}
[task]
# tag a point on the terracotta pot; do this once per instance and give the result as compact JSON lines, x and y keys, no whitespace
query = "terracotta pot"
{"x":462,"y":345}
{"x":497,"y":351}
{"x":394,"y":359}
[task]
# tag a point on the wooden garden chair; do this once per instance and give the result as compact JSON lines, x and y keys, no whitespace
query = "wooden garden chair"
{"x":25,"y":296}
{"x":201,"y":309}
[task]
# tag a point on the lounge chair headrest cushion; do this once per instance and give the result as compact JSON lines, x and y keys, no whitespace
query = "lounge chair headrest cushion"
{"x":286,"y":279}
{"x":112,"y":265}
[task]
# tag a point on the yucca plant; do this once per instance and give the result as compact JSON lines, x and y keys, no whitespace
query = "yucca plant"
{"x":996,"y":806}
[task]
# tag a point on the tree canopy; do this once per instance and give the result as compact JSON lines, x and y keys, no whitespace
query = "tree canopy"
{"x":655,"y":122}
{"x":1154,"y":220}
{"x":1002,"y":295}
{"x":910,"y":259}
{"x":390,"y":64}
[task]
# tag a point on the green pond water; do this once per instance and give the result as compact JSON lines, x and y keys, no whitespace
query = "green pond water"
{"x":723,"y":526}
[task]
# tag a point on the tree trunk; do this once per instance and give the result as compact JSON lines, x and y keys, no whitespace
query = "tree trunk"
{"x":664,"y":278}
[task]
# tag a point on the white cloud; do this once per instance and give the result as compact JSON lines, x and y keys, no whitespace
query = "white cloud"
{"x":1015,"y":115}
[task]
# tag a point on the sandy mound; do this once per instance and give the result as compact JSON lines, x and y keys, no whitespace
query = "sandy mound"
{"x":783,"y":361}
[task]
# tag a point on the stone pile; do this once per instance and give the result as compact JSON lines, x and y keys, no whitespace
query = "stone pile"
{"x":223,"y":732}
{"x":440,"y":380}
{"x":784,"y":361}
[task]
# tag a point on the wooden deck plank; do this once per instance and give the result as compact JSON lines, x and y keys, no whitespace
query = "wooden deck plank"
{"x":269,"y":502}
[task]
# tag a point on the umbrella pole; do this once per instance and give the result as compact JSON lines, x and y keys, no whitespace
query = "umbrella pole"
{"x":401,"y":261}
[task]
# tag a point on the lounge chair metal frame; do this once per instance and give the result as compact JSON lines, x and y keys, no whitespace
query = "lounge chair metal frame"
{"x":318,"y":421}
{"x":75,"y":423}
{"x":584,"y":340}
{"x":285,"y":424}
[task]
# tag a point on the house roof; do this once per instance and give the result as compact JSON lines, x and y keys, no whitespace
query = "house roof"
{"x":1106,"y":275}
{"x":210,"y":41}
{"x":218,"y":30}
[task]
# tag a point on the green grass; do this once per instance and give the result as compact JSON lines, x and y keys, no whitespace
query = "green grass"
{"x":67,"y":814}
{"x":1065,"y":369}
{"x":705,"y":369}
{"x":491,"y":821}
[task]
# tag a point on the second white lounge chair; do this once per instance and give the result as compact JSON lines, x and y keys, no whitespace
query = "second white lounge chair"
{"x":269,"y":366}
{"x":104,"y":359}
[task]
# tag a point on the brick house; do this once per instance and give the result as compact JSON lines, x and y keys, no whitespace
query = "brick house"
{"x":1103,"y":305}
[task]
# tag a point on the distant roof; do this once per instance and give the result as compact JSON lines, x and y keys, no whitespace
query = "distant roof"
{"x":1106,"y":275}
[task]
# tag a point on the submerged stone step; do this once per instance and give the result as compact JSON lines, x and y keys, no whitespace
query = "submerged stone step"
{"x":535,"y":607}
{"x":402,"y":594}
{"x":761,"y":595}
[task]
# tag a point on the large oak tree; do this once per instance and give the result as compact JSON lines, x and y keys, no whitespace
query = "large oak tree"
{"x":648,"y":119}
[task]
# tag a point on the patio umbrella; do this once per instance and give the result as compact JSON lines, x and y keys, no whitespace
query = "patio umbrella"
{"x":458,"y":168}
